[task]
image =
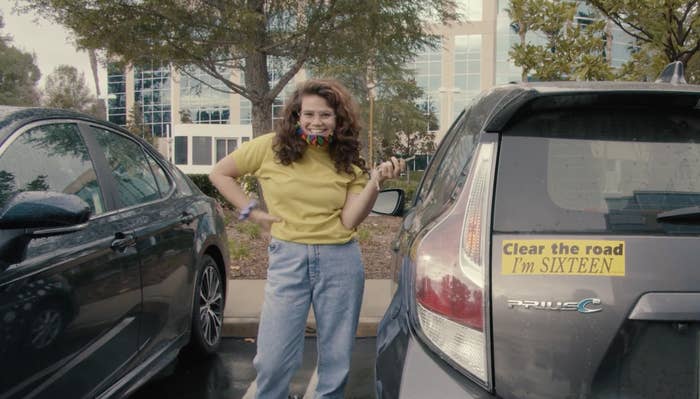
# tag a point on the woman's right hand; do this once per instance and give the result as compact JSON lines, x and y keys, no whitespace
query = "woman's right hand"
{"x":263,"y":218}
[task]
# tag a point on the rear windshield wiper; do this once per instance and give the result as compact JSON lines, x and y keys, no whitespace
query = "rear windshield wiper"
{"x":691,"y":213}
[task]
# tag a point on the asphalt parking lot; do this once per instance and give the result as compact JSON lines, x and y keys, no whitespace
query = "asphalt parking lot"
{"x":230,"y":374}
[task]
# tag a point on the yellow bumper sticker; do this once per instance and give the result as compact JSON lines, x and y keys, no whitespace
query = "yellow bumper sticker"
{"x":563,"y":257}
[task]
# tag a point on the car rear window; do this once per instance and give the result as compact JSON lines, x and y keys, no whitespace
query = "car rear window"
{"x":590,"y":171}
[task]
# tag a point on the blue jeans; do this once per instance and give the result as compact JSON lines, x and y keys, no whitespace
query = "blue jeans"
{"x":329,"y":277}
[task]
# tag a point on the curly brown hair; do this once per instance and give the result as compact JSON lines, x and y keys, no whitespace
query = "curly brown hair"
{"x":345,"y":147}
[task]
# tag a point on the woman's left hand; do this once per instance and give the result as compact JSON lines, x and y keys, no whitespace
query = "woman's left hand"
{"x":388,"y":170}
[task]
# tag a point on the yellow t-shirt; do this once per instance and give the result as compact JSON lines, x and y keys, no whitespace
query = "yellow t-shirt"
{"x":307,"y":195}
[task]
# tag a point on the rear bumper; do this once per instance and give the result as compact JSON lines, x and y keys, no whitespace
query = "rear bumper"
{"x":406,"y":368}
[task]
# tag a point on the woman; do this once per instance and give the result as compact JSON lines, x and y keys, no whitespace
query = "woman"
{"x":317,"y":193}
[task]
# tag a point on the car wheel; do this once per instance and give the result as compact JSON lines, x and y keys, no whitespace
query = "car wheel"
{"x":207,"y":314}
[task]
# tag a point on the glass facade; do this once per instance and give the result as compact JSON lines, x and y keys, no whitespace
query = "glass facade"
{"x":203,"y":98}
{"x":152,"y":95}
{"x":623,"y":46}
{"x":467,"y":70}
{"x":427,"y":68}
{"x":116,"y":90}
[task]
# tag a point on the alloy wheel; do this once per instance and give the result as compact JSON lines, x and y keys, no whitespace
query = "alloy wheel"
{"x":210,"y":304}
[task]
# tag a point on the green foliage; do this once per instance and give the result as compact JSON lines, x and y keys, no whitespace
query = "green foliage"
{"x":668,"y":28}
{"x":221,"y":36}
{"x":644,"y":65}
{"x":569,"y":51}
{"x":238,"y":250}
{"x":250,"y":229}
{"x":65,"y":88}
{"x":18,"y":75}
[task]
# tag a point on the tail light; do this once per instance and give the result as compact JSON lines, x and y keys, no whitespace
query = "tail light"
{"x":451,"y":274}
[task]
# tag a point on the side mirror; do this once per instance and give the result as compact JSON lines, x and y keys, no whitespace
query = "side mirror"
{"x":32,"y":214}
{"x":390,"y":202}
{"x":43,"y":210}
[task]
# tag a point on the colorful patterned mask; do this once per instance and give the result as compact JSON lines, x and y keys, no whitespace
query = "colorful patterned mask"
{"x":314,"y":139}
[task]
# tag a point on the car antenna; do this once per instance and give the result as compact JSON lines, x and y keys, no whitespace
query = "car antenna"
{"x":674,"y":73}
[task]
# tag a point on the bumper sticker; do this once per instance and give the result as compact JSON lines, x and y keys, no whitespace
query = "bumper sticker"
{"x":563,"y":257}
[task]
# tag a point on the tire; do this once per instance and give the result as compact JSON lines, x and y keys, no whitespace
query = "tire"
{"x":208,"y":309}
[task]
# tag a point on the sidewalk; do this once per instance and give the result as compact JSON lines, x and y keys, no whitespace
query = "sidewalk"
{"x":245,"y":297}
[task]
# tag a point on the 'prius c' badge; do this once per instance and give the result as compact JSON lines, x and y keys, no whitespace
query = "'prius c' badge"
{"x":587,"y":305}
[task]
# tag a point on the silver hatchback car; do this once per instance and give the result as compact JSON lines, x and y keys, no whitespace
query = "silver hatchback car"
{"x":552,"y":250}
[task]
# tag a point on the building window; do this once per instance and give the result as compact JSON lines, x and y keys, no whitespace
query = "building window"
{"x":471,"y":10}
{"x":245,"y":139}
{"x":180,"y":150}
{"x":203,"y":98}
{"x":427,"y":71}
{"x":623,"y":46}
{"x":246,"y":112}
{"x":116,"y":94}
{"x":201,"y":150}
{"x":225,"y":147}
{"x":467,"y":70}
{"x":152,"y":95}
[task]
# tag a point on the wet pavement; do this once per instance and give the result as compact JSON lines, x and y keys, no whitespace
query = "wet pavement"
{"x":229,"y":374}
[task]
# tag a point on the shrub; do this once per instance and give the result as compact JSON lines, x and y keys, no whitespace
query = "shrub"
{"x":250,"y":229}
{"x":238,"y":250}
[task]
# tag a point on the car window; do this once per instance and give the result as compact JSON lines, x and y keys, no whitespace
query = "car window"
{"x":590,"y":172}
{"x":135,"y":181}
{"x":162,"y":180}
{"x":442,"y":179}
{"x":50,"y":158}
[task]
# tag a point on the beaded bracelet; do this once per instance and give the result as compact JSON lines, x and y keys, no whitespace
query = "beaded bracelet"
{"x":245,"y":212}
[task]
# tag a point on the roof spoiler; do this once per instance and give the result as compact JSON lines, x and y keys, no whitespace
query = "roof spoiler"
{"x":674,"y":73}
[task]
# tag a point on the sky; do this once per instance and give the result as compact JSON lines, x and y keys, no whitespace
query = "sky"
{"x":50,"y":43}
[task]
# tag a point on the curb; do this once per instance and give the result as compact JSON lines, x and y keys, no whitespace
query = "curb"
{"x":244,"y":300}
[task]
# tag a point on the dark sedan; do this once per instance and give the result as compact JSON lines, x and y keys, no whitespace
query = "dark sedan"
{"x":111,"y":260}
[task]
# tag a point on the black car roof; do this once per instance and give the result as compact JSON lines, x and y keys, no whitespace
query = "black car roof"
{"x":12,"y":118}
{"x":516,"y":100}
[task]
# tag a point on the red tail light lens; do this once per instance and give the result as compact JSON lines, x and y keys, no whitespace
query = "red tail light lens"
{"x":451,"y":273}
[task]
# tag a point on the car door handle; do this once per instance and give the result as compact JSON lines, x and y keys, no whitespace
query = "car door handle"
{"x":186,"y":218}
{"x":123,"y":240}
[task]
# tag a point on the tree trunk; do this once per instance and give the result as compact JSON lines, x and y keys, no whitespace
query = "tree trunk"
{"x":257,"y":77}
{"x":262,"y":117}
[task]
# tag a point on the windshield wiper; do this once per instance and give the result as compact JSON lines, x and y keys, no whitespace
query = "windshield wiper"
{"x":691,"y":213}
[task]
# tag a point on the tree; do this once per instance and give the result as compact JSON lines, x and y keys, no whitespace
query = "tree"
{"x":570,"y":50}
{"x":222,"y":36}
{"x":671,"y":27}
{"x":65,"y":88}
{"x":18,"y":74}
{"x":644,"y":65}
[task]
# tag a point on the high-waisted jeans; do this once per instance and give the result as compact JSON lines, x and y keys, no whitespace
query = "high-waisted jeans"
{"x":331,"y":278}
